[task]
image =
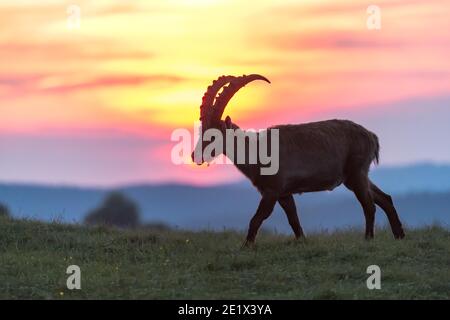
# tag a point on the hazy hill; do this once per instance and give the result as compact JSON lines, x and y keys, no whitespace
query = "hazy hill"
{"x":422,"y":196}
{"x":413,"y":178}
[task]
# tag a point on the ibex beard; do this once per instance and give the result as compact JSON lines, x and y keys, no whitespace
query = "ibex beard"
{"x":310,"y":157}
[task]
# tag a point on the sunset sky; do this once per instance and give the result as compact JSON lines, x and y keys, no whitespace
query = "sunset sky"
{"x":96,"y":105}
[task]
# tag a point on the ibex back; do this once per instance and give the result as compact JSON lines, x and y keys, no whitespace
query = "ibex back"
{"x":312,"y":157}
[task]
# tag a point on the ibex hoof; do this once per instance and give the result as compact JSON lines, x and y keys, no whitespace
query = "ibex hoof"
{"x":399,"y":235}
{"x":248,"y":244}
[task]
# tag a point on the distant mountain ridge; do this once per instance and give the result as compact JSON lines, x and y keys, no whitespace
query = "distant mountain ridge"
{"x":422,"y":195}
{"x":424,"y":177}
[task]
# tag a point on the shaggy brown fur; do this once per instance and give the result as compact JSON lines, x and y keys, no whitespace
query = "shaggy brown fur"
{"x":313,"y":157}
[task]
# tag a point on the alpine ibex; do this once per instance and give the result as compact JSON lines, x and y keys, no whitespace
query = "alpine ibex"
{"x":313,"y":156}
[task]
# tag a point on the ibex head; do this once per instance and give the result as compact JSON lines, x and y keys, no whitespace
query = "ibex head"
{"x":213,"y":105}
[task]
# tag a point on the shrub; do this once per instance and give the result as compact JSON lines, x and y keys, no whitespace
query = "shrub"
{"x":156,"y":226}
{"x":117,"y":210}
{"x":4,"y":211}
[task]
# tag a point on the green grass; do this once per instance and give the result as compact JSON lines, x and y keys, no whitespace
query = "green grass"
{"x":177,"y":265}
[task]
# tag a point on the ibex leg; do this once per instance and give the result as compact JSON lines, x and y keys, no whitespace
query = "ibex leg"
{"x":288,"y":205}
{"x":384,"y":201}
{"x":359,"y":184}
{"x":265,"y":208}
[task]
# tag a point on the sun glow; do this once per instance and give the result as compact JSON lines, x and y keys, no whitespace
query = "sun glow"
{"x":195,"y":2}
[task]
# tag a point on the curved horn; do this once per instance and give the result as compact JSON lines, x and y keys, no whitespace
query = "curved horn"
{"x":229,"y":91}
{"x":206,"y":108}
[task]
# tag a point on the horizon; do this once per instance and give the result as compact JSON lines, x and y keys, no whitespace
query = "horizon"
{"x":95,"y":105}
{"x":240,"y":181}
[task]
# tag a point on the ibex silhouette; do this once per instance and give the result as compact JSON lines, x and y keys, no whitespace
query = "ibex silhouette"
{"x":313,"y":157}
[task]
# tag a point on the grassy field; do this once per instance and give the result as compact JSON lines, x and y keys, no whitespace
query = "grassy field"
{"x":150,"y":264}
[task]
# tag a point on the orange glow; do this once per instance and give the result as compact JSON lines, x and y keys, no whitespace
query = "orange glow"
{"x":142,"y":66}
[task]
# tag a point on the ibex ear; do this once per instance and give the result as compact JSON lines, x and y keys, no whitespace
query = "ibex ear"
{"x":228,"y":123}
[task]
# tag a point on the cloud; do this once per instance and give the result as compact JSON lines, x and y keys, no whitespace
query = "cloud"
{"x":113,"y":81}
{"x":18,"y":80}
{"x":65,"y":51}
{"x":337,"y":40}
{"x":344,"y":7}
{"x":23,"y":84}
